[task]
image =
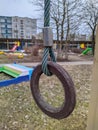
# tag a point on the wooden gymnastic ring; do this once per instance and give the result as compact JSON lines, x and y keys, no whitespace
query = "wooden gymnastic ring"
{"x":70,"y":96}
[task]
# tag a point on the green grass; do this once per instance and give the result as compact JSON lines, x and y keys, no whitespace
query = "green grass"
{"x":18,"y":110}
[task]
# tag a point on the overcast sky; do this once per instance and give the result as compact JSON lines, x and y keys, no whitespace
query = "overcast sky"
{"x":22,"y":8}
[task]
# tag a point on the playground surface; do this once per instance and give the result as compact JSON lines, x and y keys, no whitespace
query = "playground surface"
{"x":19,"y":111}
{"x":73,"y":57}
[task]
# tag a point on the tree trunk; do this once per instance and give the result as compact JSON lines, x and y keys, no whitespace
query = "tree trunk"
{"x":93,"y":41}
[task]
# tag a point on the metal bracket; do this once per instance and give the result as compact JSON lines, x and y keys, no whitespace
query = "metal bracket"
{"x":47,"y":37}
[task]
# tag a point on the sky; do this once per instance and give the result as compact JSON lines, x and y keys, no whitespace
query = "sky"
{"x":22,"y":8}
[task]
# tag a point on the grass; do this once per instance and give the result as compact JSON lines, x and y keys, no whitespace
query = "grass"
{"x":18,"y":110}
{"x":8,"y":58}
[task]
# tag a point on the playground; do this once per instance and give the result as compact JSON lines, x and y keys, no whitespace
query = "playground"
{"x":18,"y":109}
{"x":60,"y":93}
{"x":19,"y":57}
{"x":20,"y":112}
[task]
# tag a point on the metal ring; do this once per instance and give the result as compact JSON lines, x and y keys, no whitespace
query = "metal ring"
{"x":70,"y":96}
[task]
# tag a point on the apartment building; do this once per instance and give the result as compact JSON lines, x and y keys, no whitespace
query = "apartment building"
{"x":77,"y":37}
{"x":17,"y":27}
{"x":5,"y":27}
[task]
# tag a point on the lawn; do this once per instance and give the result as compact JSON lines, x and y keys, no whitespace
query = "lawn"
{"x":18,"y":110}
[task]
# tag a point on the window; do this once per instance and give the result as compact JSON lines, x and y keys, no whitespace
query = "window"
{"x":22,"y":32}
{"x":9,"y":26}
{"x":3,"y":25}
{"x":4,"y":35}
{"x":16,"y":19}
{"x":9,"y":31}
{"x":16,"y":36}
{"x":3,"y":31}
{"x":16,"y":31}
{"x":9,"y":36}
{"x":2,"y":20}
{"x":21,"y":21}
{"x":9,"y":21}
{"x":22,"y":36}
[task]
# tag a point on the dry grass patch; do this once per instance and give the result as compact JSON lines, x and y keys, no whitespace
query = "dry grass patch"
{"x":18,"y":110}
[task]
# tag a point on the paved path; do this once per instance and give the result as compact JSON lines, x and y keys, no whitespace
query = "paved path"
{"x":61,"y":63}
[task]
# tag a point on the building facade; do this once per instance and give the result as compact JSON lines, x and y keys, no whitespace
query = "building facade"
{"x":77,"y":37}
{"x":5,"y":27}
{"x":17,"y":27}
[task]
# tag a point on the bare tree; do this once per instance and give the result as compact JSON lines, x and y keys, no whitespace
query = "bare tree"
{"x":40,"y":9}
{"x":55,"y":15}
{"x":63,"y":18}
{"x":71,"y":24}
{"x":63,"y":14}
{"x":90,"y":17}
{"x":72,"y":19}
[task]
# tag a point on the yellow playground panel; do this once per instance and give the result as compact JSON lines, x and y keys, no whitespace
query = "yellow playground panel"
{"x":82,"y":45}
{"x":1,"y":52}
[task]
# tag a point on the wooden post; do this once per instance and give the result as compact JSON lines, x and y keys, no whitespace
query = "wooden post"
{"x":7,"y":45}
{"x":92,"y":123}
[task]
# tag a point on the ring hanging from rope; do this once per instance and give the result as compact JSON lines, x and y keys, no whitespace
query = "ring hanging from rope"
{"x":69,"y":92}
{"x":49,"y":69}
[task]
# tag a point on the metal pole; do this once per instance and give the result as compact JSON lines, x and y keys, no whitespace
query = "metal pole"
{"x":92,"y":123}
{"x":7,"y":45}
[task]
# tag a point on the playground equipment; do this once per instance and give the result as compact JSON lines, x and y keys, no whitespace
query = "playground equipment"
{"x":18,"y":72}
{"x":82,"y":46}
{"x":18,"y":54}
{"x":50,"y":68}
{"x":86,"y":51}
{"x":1,"y":52}
{"x":16,"y":46}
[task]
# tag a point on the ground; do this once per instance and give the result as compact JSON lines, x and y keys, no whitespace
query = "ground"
{"x":18,"y":110}
{"x":10,"y":58}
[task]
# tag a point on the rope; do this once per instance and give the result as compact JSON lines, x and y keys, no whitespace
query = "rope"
{"x":47,"y":50}
{"x":46,"y":13}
